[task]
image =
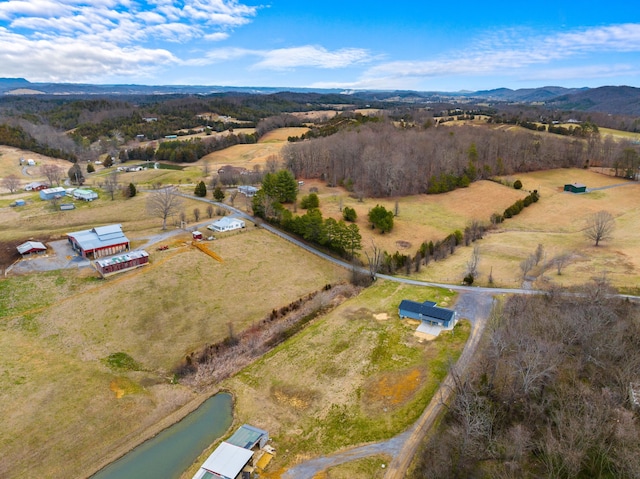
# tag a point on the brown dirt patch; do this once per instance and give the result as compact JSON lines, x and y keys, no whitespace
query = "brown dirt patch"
{"x":296,"y":398}
{"x":392,"y":389}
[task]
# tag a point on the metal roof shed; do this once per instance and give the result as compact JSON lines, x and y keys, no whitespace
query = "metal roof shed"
{"x":31,"y":247}
{"x":248,"y":436}
{"x":575,"y":188}
{"x":226,"y":462}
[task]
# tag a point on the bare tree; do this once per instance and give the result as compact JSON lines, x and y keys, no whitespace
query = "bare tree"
{"x":53,"y":173}
{"x":210,"y":211}
{"x":374,"y":260}
{"x":527,"y":265}
{"x":111,"y":183}
{"x":272,"y":164}
{"x":11,"y":182}
{"x":196,"y":214}
{"x":232,"y":196}
{"x":164,"y":203}
{"x":600,"y":226}
{"x":472,"y":264}
{"x":561,"y":261}
{"x":539,"y":253}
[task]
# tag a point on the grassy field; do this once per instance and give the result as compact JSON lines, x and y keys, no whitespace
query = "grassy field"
{"x":557,"y":222}
{"x":421,"y":217}
{"x":356,"y":375}
{"x":61,"y":411}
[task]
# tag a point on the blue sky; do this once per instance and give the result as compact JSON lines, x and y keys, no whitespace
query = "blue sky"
{"x":415,"y":45}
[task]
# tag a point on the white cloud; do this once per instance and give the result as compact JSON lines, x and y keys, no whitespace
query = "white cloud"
{"x":83,"y":40}
{"x":310,"y":56}
{"x":216,"y":37}
{"x":511,"y":51}
{"x":71,"y":61}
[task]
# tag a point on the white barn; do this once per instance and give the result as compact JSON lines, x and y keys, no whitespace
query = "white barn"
{"x":226,"y":223}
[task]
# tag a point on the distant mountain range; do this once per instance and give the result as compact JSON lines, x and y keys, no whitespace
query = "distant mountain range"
{"x":622,"y":100}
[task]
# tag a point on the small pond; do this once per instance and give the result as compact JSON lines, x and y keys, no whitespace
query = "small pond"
{"x":170,"y":453}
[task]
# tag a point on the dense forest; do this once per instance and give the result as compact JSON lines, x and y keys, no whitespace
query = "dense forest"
{"x":549,"y":395}
{"x":380,"y":159}
{"x":402,"y":149}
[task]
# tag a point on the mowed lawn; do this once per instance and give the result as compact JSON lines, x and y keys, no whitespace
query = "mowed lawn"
{"x":60,"y":414}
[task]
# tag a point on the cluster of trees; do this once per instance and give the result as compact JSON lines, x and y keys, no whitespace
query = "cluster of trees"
{"x":338,"y":236}
{"x":339,"y":122}
{"x":549,"y":395}
{"x":517,"y":207}
{"x":17,"y":137}
{"x":192,"y":150}
{"x":380,"y":160}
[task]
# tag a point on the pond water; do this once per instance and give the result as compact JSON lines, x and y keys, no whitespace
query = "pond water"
{"x":170,"y":453}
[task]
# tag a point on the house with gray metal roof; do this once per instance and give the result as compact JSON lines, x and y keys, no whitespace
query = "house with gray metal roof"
{"x":428,"y":313}
{"x":99,"y":241}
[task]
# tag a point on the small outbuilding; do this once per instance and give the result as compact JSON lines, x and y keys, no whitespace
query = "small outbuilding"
{"x":31,"y":247}
{"x":67,"y":206}
{"x":575,"y":188}
{"x":196,"y":235}
{"x":36,"y":186}
{"x":52,"y":193}
{"x":83,"y":194}
{"x":226,"y":223}
{"x":249,"y":437}
{"x":121,"y":263}
{"x":226,"y":462}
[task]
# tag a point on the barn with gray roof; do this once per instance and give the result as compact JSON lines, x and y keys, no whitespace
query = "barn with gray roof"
{"x":99,"y":241}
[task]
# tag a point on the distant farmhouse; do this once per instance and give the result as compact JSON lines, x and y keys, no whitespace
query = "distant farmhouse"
{"x":432,"y":318}
{"x":83,"y":194}
{"x":99,"y":241}
{"x":226,"y":223}
{"x":575,"y":188}
{"x":36,"y":186}
{"x":248,"y":190}
{"x":232,"y":170}
{"x":244,"y":453}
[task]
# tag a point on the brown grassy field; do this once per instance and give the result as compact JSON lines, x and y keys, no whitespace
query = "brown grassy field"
{"x":421,"y":217}
{"x":557,"y":222}
{"x":57,"y":328}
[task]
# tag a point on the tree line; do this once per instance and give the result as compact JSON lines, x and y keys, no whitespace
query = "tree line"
{"x":381,"y":160}
{"x":549,"y":395}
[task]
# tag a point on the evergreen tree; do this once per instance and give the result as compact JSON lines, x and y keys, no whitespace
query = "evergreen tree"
{"x":200,"y":190}
{"x":75,"y":174}
{"x":218,"y":194}
{"x":132,"y":190}
{"x":381,"y":218}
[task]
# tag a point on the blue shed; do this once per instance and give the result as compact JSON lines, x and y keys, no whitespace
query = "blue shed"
{"x":427,"y":312}
{"x":52,"y":193}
